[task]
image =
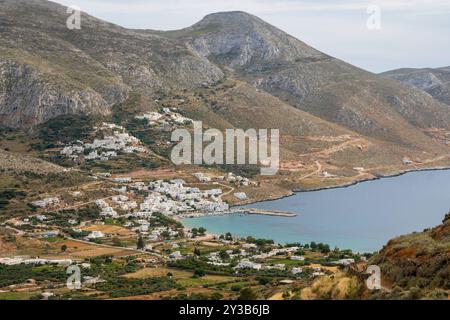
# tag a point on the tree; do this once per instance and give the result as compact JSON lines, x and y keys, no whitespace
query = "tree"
{"x":224,"y":255}
{"x":165,"y":234}
{"x":286,"y":295}
{"x":201,"y":231}
{"x":140,"y":243}
{"x":248,"y":294}
{"x":198,"y":273}
{"x":63,"y":248}
{"x":263,"y":280}
{"x":216,"y":296}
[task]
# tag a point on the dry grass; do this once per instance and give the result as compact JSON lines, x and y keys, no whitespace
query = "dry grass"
{"x":80,"y":250}
{"x":110,"y":230}
{"x":338,"y":287}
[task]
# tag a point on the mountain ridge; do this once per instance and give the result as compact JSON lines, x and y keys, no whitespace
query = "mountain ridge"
{"x":434,"y":81}
{"x":223,"y":67}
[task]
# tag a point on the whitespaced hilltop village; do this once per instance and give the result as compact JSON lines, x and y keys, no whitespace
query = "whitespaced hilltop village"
{"x":105,"y":148}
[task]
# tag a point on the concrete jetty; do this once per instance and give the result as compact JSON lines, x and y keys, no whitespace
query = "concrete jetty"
{"x":263,"y":212}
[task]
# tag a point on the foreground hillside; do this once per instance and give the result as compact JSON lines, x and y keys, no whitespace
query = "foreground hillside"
{"x":417,"y":265}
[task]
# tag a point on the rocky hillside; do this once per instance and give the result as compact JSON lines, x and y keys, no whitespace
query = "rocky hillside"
{"x":418,"y":263}
{"x":47,"y":70}
{"x":229,"y":70}
{"x":436,"y":82}
{"x":312,"y":81}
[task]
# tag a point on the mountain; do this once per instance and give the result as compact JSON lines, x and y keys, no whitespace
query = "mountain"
{"x":276,"y":62}
{"x":48,"y":70}
{"x":436,"y":82}
{"x":230,"y":70}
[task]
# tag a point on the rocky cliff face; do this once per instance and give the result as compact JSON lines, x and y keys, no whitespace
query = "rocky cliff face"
{"x":47,"y":70}
{"x":26,"y":98}
{"x":436,"y":82}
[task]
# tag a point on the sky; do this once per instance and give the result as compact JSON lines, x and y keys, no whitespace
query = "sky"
{"x":411,"y":33}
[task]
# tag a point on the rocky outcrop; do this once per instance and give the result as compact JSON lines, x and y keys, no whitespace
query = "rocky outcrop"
{"x":436,"y":82}
{"x":26,"y":98}
{"x":243,"y":40}
{"x":55,"y":71}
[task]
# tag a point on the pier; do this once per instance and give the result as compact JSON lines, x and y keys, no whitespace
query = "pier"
{"x":263,"y":212}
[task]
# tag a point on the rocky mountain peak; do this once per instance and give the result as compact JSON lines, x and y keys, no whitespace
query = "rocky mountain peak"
{"x":230,"y":18}
{"x":240,"y":39}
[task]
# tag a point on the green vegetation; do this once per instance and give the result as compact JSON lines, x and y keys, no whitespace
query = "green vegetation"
{"x":7,"y":195}
{"x":61,"y":218}
{"x":166,"y":221}
{"x":417,"y":263}
{"x":20,"y":273}
{"x":121,"y":287}
{"x":63,"y":130}
{"x":247,"y":294}
{"x":193,"y":263}
{"x":141,"y":243}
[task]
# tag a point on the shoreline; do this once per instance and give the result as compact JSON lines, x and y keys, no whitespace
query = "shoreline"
{"x":298,"y":191}
{"x":379,"y":177}
{"x":345,"y":185}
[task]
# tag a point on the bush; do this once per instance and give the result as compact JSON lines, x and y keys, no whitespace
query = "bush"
{"x":248,"y":294}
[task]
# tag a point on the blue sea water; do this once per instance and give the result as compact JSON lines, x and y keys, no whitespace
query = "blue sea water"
{"x":362,"y":217}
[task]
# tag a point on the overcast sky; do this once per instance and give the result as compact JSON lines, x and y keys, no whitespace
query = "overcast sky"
{"x":414,"y":33}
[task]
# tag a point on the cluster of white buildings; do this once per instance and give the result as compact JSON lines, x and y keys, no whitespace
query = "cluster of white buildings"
{"x":248,"y":264}
{"x":106,"y":209}
{"x":167,"y":116}
{"x":202,"y":177}
{"x":48,"y":202}
{"x":229,"y":177}
{"x":241,"y":196}
{"x":344,"y":262}
{"x":245,"y":258}
{"x":171,"y":198}
{"x":276,"y":251}
{"x":104,"y":149}
{"x":215,"y":259}
{"x":239,"y":180}
{"x":155,"y":234}
{"x":95,"y":235}
{"x":36,"y":261}
{"x":124,"y":203}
